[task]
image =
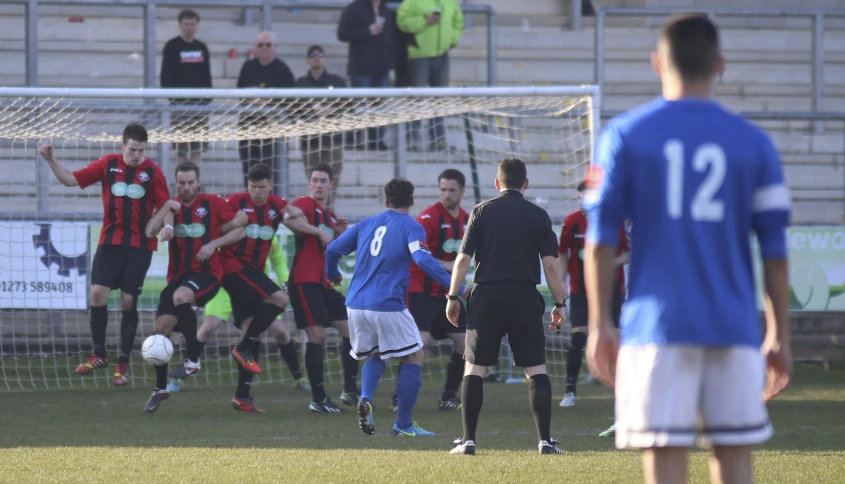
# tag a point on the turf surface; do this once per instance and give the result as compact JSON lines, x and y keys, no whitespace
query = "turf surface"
{"x":102,"y":435}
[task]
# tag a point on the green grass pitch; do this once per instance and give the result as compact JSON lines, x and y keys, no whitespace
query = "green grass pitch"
{"x":104,"y":436}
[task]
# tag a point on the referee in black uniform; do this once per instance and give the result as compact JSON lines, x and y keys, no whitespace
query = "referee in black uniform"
{"x":508,"y":236}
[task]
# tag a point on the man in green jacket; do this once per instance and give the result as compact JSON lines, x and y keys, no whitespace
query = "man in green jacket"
{"x":435,"y":27}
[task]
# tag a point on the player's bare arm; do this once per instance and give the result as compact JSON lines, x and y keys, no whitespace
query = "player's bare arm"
{"x":459,"y":275}
{"x":158,"y":221}
{"x":621,"y":259}
{"x":777,"y":345}
{"x":167,"y":230}
{"x":209,"y":249}
{"x":603,"y":340}
{"x":62,"y":174}
{"x":240,"y":220}
{"x":552,"y":270}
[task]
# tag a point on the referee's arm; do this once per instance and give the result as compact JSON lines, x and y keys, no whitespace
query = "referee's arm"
{"x":549,"y":254}
{"x":461,"y":265}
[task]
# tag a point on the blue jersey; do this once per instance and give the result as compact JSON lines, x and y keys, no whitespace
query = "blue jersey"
{"x":695,"y":179}
{"x":385,"y":245}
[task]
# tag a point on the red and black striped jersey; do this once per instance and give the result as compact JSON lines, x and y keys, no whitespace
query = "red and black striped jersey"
{"x":572,"y":240}
{"x":194,"y":226}
{"x":264,"y":221}
{"x":443,"y":234}
{"x":309,"y":262}
{"x":130,"y":196}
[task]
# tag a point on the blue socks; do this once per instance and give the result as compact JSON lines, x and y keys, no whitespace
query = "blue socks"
{"x":370,"y":376}
{"x":408,"y":388}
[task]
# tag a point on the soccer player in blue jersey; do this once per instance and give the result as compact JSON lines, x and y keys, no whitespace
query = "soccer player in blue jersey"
{"x":380,"y":326}
{"x":695,"y":180}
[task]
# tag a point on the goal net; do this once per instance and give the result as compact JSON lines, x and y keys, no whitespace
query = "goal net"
{"x":48,"y":232}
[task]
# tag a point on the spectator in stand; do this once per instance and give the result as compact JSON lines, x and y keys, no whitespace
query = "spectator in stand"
{"x":265,"y":71}
{"x":436,"y":26}
{"x":185,"y":63}
{"x":369,"y":28}
{"x":327,"y":148}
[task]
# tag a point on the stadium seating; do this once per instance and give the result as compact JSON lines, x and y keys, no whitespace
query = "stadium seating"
{"x":769,"y":70}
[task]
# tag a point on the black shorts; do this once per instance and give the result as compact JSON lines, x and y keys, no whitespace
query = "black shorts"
{"x":429,"y":313}
{"x":204,"y":284}
{"x":189,"y":124}
{"x":316,"y":305}
{"x":579,"y":314}
{"x":514,"y":309}
{"x":119,"y":267}
{"x":247,"y":289}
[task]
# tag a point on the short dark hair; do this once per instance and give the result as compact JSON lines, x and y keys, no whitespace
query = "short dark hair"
{"x":512,"y":173}
{"x":582,"y":186}
{"x":134,"y":132}
{"x":453,"y":174}
{"x":313,"y":48}
{"x":259,"y":172}
{"x":399,"y":193}
{"x":188,"y":13}
{"x":322,"y":167}
{"x":187,"y":166}
{"x":692,"y":42}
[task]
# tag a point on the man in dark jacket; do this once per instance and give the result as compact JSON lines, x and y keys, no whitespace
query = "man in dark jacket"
{"x":370,"y":29}
{"x":184,"y":64}
{"x":265,"y":71}
{"x":324,"y":148}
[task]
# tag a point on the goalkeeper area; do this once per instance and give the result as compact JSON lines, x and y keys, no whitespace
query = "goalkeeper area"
{"x":48,"y":232}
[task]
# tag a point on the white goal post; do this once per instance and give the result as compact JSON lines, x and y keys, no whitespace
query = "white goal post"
{"x":48,"y":232}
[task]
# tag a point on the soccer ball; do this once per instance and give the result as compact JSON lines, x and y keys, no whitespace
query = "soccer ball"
{"x":157,"y":350}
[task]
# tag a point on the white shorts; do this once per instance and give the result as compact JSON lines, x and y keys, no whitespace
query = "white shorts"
{"x":390,"y":334}
{"x":666,"y":396}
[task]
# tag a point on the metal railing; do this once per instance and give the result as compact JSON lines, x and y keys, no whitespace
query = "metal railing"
{"x":827,"y":116}
{"x":266,"y":6}
{"x":817,"y":54}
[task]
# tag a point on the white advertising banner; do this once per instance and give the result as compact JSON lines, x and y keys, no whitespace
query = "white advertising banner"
{"x":44,"y":265}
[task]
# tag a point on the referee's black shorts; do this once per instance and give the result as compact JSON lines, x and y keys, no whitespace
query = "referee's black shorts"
{"x":514,"y":309}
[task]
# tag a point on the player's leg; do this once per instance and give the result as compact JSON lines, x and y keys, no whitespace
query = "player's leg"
{"x":310,"y":313}
{"x":363,"y":336}
{"x":289,"y":352}
{"x":425,"y":336}
{"x":135,"y":268}
{"x":105,"y":275}
{"x":336,"y":310}
{"x":195,"y":289}
{"x":455,"y":368}
{"x":164,"y":324}
{"x":734,"y":418}
{"x":243,"y":401}
{"x":217,"y":310}
{"x":577,"y":344}
{"x":269,"y":302}
{"x":424,"y":311}
{"x":399,"y":337}
{"x":658,"y":395}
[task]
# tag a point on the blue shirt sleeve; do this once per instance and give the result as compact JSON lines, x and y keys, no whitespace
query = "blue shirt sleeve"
{"x":772,"y":205}
{"x":422,"y":256}
{"x":343,"y":245}
{"x":607,"y":203}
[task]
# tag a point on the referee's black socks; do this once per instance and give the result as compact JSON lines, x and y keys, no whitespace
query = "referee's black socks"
{"x":573,"y":360}
{"x":128,"y":330}
{"x":540,"y":398}
{"x":472,"y":395}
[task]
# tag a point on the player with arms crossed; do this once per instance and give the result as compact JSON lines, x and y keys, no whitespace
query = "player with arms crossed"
{"x":256,"y":299}
{"x":133,"y":187}
{"x":444,"y":224}
{"x":380,"y":326}
{"x":218,"y":310}
{"x":316,"y":304}
{"x":695,"y":179}
{"x":194,"y":224}
{"x":571,"y":261}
